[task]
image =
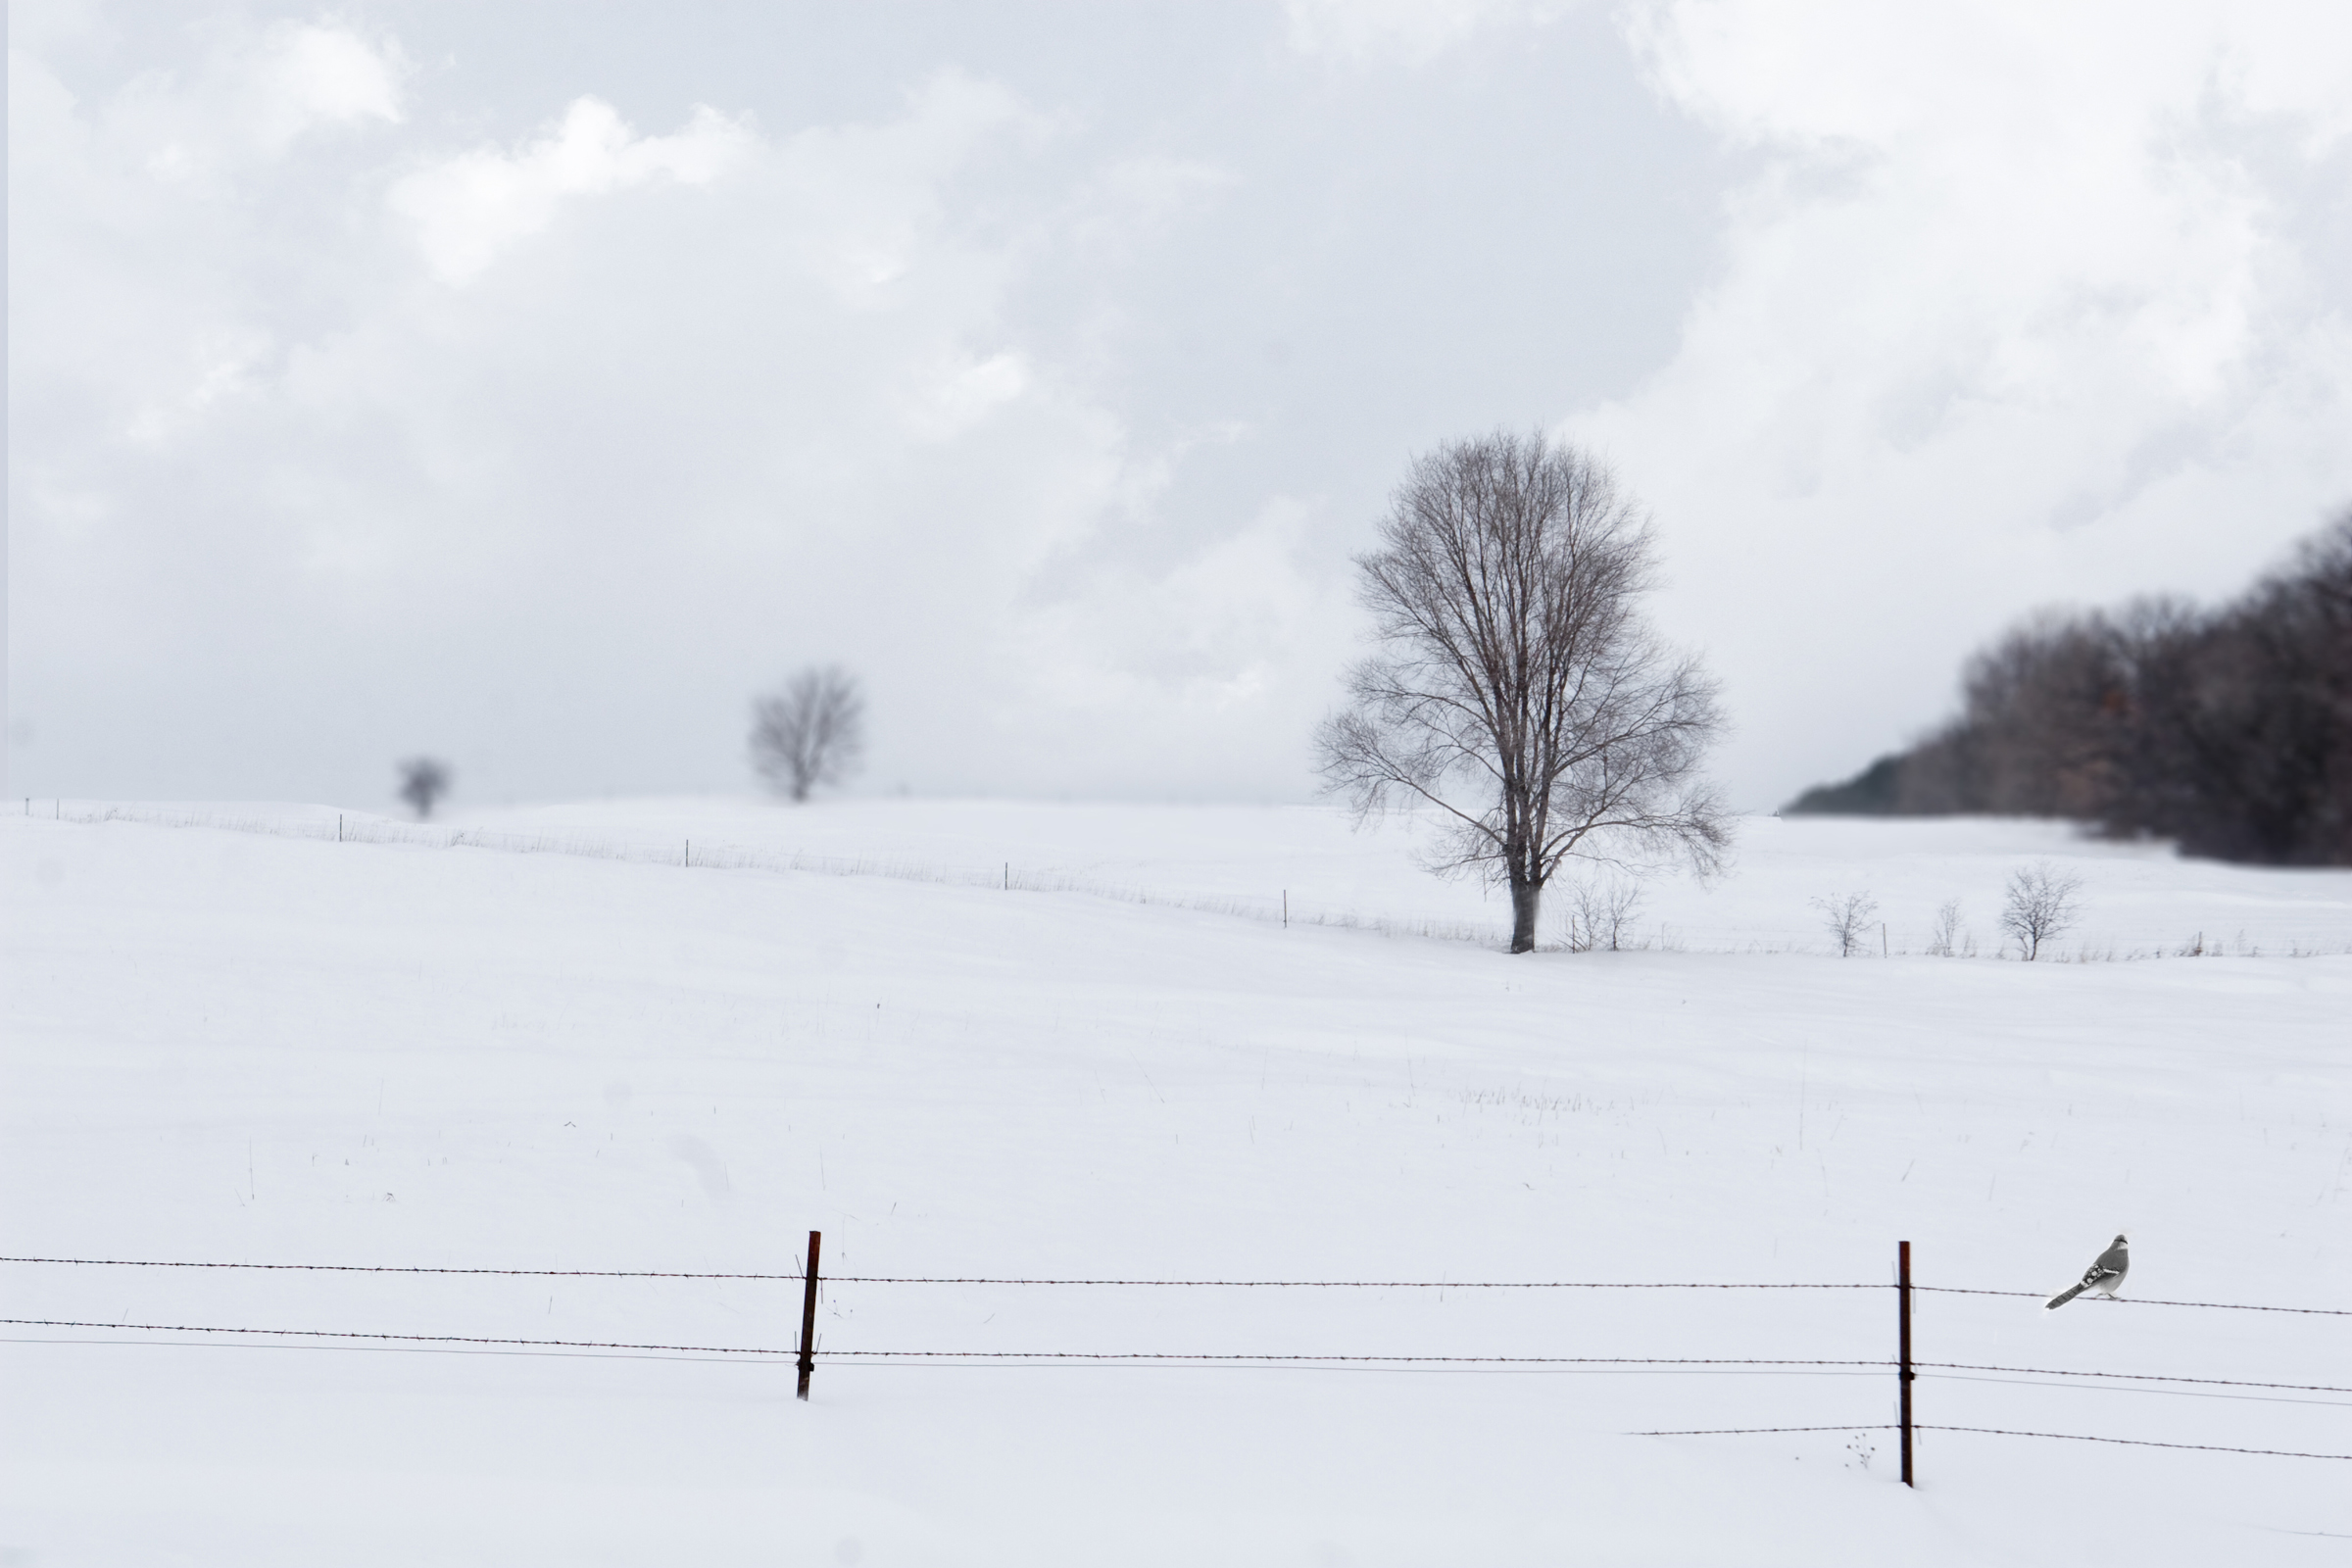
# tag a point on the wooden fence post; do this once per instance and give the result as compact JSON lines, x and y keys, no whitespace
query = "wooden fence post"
{"x":808,"y":1331}
{"x":1902,"y":1296}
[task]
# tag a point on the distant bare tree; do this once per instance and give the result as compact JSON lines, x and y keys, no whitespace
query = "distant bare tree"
{"x":2040,"y":903}
{"x":812,"y":732}
{"x":1848,"y":920}
{"x":1514,"y":670}
{"x":422,"y":781}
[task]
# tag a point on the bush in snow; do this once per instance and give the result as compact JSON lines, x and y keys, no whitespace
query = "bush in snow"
{"x":1848,"y":920}
{"x":1600,"y":914}
{"x":1945,"y":942}
{"x":2041,"y":903}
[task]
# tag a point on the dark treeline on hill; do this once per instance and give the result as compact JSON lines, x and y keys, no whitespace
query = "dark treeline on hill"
{"x":2229,"y":730}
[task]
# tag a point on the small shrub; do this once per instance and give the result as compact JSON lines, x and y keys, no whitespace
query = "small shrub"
{"x":1600,"y":914}
{"x":1847,"y":919}
{"x":2039,"y":903}
{"x":1944,"y":943}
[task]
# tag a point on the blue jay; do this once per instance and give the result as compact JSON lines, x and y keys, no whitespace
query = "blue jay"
{"x":2102,"y":1276}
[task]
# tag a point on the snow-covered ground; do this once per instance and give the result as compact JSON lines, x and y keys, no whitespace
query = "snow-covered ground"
{"x":2139,"y":900}
{"x":258,"y":1047}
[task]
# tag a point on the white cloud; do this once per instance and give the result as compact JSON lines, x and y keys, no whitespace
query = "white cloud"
{"x":468,"y":208}
{"x":959,"y":390}
{"x":315,"y":74}
{"x":1191,"y":648}
{"x":252,"y":95}
{"x":1140,"y":199}
{"x":873,"y":194}
{"x":654,"y":451}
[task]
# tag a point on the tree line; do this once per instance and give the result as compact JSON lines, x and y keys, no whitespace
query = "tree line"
{"x":2227,"y":730}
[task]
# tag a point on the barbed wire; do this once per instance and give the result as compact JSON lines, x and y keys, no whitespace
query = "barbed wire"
{"x":913,"y":1279}
{"x":1159,"y":1284}
{"x":1286,"y":1358}
{"x":386,"y":1350}
{"x":1258,"y":1357}
{"x":644,"y":849}
{"x":421,"y":1338}
{"x":1545,"y":1285}
{"x":2135,"y":1442}
{"x":2002,"y":1432}
{"x":394,"y":1268}
{"x":1265,"y":1358}
{"x":2133,"y":1377}
{"x":1356,"y":1285}
{"x":2144,"y":1301}
{"x":1742,"y":1431}
{"x":2131,"y":1387}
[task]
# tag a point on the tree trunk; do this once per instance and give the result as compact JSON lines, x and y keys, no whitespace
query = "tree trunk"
{"x":1525,"y":896}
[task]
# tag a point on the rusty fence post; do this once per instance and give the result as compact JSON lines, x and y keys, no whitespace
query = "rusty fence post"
{"x":1902,"y":1296}
{"x":809,"y":1332}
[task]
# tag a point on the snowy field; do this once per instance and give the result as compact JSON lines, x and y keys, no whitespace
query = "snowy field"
{"x":264,"y":1046}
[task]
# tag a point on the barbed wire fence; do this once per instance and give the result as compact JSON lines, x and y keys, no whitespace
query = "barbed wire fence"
{"x":645,"y":849}
{"x":806,"y":1355}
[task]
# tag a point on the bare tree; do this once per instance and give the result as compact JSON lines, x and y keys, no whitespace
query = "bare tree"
{"x":810,"y":732}
{"x":1517,"y":690}
{"x":2041,"y":903}
{"x":1848,"y":918}
{"x":423,"y":780}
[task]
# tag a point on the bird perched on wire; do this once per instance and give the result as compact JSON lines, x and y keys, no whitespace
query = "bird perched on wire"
{"x":2102,"y":1276}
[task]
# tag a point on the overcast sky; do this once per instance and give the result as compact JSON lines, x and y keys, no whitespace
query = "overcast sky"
{"x":531,"y":383}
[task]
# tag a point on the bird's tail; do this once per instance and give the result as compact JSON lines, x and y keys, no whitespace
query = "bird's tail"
{"x":2061,"y":1298}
